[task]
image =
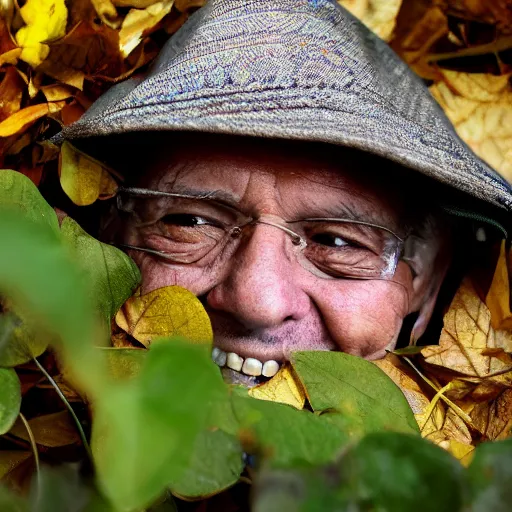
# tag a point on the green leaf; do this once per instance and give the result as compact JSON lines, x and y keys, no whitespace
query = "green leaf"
{"x":402,"y":473}
{"x":353,"y":393}
{"x":19,"y":341}
{"x":146,"y":428}
{"x":490,"y":477}
{"x":111,"y":275}
{"x":19,"y":192}
{"x":216,"y":465}
{"x":10,"y":399}
{"x":11,"y":503}
{"x":385,"y":472}
{"x":123,"y":363}
{"x":37,"y":275}
{"x":285,"y":435}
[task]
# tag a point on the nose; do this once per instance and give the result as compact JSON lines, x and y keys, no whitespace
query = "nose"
{"x":261,"y":288}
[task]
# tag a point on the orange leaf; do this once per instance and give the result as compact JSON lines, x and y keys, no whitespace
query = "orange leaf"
{"x":11,"y":93}
{"x":22,"y":119}
{"x":498,"y":297}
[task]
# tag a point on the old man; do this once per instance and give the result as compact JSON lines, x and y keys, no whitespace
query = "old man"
{"x":285,"y":166}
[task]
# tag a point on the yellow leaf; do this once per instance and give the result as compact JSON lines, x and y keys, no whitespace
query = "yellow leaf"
{"x":84,"y":179}
{"x":22,"y":119}
{"x":498,"y":297}
{"x":56,"y":92}
{"x":45,"y":21}
{"x":139,"y":23}
{"x":467,"y":337}
{"x":480,"y":107}
{"x":165,"y":312}
{"x":107,"y":12}
{"x":378,"y":15}
{"x":284,"y":387}
{"x":10,"y":57}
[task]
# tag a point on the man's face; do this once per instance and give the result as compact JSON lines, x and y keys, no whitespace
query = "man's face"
{"x":262,"y":302}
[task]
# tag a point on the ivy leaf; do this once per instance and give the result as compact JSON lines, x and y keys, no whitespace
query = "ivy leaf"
{"x":19,"y":192}
{"x":10,"y":399}
{"x":111,"y":274}
{"x":490,"y":474}
{"x":165,"y":312}
{"x":366,"y":397}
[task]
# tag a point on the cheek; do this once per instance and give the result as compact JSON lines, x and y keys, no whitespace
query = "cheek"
{"x":363,"y":317}
{"x":156,"y":274}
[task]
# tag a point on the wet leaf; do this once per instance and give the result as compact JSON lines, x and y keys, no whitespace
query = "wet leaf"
{"x":51,"y":430}
{"x":136,"y":463}
{"x":356,"y":388}
{"x":111,"y":275}
{"x":216,"y":465}
{"x":10,"y":398}
{"x":45,"y":20}
{"x":82,"y":178}
{"x":165,"y":312}
{"x":284,"y":388}
{"x":498,"y":297}
{"x":468,"y":344}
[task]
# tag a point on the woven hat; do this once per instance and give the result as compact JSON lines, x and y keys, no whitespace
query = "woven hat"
{"x":293,"y":69}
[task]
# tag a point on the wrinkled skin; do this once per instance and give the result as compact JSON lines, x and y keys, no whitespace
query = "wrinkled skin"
{"x":262,"y":303}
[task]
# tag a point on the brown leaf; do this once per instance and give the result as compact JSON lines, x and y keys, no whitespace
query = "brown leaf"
{"x":10,"y":459}
{"x":466,"y":334}
{"x":480,"y":108}
{"x":11,"y":93}
{"x":378,"y":15}
{"x":165,"y":312}
{"x":498,"y":297}
{"x":284,"y":387}
{"x":51,"y":430}
{"x":107,"y":12}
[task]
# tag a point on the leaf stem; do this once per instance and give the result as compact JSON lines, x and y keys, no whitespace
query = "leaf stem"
{"x":34,"y":449}
{"x":68,"y":407}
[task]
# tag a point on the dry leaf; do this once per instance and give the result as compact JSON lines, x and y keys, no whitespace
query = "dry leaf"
{"x":284,"y":387}
{"x":378,"y":15}
{"x":168,"y":311}
{"x":480,"y":107}
{"x":107,"y":12}
{"x":56,"y":92}
{"x":139,"y":23}
{"x":466,"y":335}
{"x":10,"y":459}
{"x":498,"y":297}
{"x":84,"y":179}
{"x":11,"y":93}
{"x":51,"y":430}
{"x":22,"y":119}
{"x":45,"y":20}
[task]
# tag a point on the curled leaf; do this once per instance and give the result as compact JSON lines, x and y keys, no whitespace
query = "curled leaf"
{"x":284,"y":387}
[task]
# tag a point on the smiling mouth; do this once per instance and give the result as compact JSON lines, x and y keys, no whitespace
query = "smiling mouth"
{"x":248,"y":372}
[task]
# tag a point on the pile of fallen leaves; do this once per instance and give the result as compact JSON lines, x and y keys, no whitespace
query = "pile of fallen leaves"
{"x":57,"y":57}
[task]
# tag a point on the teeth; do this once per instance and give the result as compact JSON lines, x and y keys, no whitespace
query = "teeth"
{"x":234,"y":361}
{"x":252,"y":367}
{"x":270,"y":368}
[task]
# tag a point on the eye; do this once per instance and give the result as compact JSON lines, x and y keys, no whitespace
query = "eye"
{"x":329,"y":240}
{"x":185,"y":220}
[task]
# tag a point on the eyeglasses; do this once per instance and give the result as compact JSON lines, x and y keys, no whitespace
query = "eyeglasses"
{"x":188,"y":230}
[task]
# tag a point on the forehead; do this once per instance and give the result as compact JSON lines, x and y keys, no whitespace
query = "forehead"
{"x":286,"y":178}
